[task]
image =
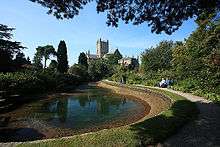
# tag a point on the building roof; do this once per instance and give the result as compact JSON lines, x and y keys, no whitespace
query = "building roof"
{"x":92,"y":56}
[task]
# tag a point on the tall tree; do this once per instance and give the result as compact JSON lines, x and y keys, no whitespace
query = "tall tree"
{"x":20,"y":59}
{"x":62,"y":57}
{"x":8,"y":48}
{"x":83,"y":59}
{"x":161,"y":15}
{"x":158,"y":58}
{"x":45,"y":52}
{"x":37,"y":61}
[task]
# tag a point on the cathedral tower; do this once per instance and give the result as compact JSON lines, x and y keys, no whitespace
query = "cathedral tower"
{"x":102,"y":48}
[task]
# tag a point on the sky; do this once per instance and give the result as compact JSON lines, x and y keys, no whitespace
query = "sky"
{"x":35,"y":28}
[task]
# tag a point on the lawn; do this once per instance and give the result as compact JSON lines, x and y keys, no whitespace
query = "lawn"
{"x":147,"y":132}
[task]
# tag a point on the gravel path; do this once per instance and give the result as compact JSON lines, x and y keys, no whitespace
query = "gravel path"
{"x":204,"y":131}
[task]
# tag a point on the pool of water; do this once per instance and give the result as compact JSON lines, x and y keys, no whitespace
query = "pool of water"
{"x":88,"y":109}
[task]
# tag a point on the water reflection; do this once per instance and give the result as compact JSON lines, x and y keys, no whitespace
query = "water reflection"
{"x":92,"y":106}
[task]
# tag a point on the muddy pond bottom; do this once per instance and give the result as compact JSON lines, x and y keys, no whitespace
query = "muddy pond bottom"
{"x":88,"y":109}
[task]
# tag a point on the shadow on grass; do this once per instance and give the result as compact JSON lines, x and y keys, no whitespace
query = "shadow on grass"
{"x":159,"y":128}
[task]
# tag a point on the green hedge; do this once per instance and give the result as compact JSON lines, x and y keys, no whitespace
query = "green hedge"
{"x":30,"y":82}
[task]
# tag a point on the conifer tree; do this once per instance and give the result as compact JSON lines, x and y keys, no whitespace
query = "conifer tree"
{"x":62,"y":66}
{"x":83,"y":60}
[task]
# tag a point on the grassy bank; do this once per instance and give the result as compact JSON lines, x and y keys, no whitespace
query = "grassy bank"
{"x":149,"y":131}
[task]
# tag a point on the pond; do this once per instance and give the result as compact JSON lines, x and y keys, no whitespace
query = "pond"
{"x":90,"y":108}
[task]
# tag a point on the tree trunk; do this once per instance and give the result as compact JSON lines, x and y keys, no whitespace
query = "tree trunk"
{"x":45,"y":63}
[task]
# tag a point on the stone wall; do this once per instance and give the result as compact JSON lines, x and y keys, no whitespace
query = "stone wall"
{"x":158,"y":102}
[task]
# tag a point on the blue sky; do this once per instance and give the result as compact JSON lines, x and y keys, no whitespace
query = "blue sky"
{"x":35,"y":28}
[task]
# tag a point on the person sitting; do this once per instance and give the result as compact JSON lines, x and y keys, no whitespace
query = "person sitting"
{"x":163,"y":83}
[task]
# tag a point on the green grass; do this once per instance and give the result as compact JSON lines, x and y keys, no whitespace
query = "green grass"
{"x":150,"y":131}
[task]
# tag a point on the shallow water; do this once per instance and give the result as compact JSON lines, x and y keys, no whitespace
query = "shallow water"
{"x":88,"y":109}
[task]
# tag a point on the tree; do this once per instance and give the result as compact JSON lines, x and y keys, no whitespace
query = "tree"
{"x":166,"y":15}
{"x":113,"y":58}
{"x":20,"y":59}
{"x":28,"y":60}
{"x":37,"y":61}
{"x":8,"y":48}
{"x":83,"y":60}
{"x":197,"y":57}
{"x":44,"y":52}
{"x":158,"y":58}
{"x":99,"y":69}
{"x":53,"y":65}
{"x":62,"y":57}
{"x":79,"y":70}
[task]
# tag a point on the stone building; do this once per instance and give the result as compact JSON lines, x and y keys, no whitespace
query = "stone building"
{"x":129,"y":62}
{"x":102,"y":48}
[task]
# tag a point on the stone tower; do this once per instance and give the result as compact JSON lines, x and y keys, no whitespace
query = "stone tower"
{"x":102,"y":48}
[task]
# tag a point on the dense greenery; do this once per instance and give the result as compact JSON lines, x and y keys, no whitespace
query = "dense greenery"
{"x":62,"y":57}
{"x":43,"y":81}
{"x":194,"y":64}
{"x":44,"y":52}
{"x":148,"y":132}
{"x":158,"y":58}
{"x":99,"y":69}
{"x":83,"y":60}
{"x":80,"y":71}
{"x":165,"y":16}
{"x":113,"y":58}
{"x":8,"y":49}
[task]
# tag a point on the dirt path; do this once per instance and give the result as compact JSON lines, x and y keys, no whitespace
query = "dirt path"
{"x":204,"y":131}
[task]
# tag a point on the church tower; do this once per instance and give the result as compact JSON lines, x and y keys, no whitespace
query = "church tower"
{"x":102,"y":48}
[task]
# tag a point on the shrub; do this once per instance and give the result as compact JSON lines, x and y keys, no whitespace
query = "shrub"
{"x":29,"y":82}
{"x":20,"y":82}
{"x":80,"y":71}
{"x":65,"y":82}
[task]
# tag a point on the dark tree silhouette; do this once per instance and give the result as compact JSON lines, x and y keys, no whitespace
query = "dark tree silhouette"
{"x":62,"y":57}
{"x":53,"y":65}
{"x":161,"y":15}
{"x":20,"y":59}
{"x":8,"y":48}
{"x":83,"y":59}
{"x":46,"y":52}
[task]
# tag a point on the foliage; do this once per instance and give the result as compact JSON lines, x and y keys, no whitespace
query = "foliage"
{"x":158,"y":58}
{"x":8,"y":48}
{"x":165,"y":16}
{"x":83,"y":60}
{"x":62,"y":57}
{"x":53,"y":65}
{"x":44,"y":52}
{"x":113,"y":58}
{"x":99,"y":69}
{"x":29,"y":82}
{"x":20,"y":59}
{"x":20,"y":83}
{"x":193,"y":64}
{"x":80,"y":71}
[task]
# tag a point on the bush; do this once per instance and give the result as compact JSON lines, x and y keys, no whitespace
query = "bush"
{"x":80,"y":71}
{"x":29,"y":82}
{"x":187,"y":85}
{"x":65,"y":82}
{"x":20,"y":82}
